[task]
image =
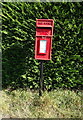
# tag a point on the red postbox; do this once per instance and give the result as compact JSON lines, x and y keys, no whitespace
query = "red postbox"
{"x":43,"y":43}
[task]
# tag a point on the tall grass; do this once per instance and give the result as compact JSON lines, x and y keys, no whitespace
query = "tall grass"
{"x":55,"y":104}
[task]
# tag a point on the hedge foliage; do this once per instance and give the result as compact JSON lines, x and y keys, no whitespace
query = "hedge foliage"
{"x":20,"y":69}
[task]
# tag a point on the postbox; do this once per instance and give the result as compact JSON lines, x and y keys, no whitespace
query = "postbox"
{"x":43,"y":42}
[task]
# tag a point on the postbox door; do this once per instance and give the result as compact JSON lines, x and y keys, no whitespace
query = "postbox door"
{"x":43,"y":48}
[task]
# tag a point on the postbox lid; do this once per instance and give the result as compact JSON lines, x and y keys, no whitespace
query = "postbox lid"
{"x":44,"y":23}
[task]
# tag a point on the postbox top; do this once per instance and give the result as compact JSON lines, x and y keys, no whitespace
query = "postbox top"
{"x":44,"y":23}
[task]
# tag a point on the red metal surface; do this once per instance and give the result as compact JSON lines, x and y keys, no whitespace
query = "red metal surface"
{"x":44,"y":23}
{"x":44,"y":31}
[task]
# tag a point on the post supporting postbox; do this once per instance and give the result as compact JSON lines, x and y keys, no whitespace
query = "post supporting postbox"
{"x":41,"y":81}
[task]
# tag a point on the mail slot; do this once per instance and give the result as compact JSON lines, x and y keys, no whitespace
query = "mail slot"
{"x":43,"y":42}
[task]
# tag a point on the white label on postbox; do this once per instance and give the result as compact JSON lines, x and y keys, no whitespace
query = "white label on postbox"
{"x":42,"y":46}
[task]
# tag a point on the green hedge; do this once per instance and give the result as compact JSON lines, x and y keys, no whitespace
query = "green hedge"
{"x":20,"y":69}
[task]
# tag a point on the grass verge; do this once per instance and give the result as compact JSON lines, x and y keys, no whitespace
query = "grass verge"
{"x":26,"y":104}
